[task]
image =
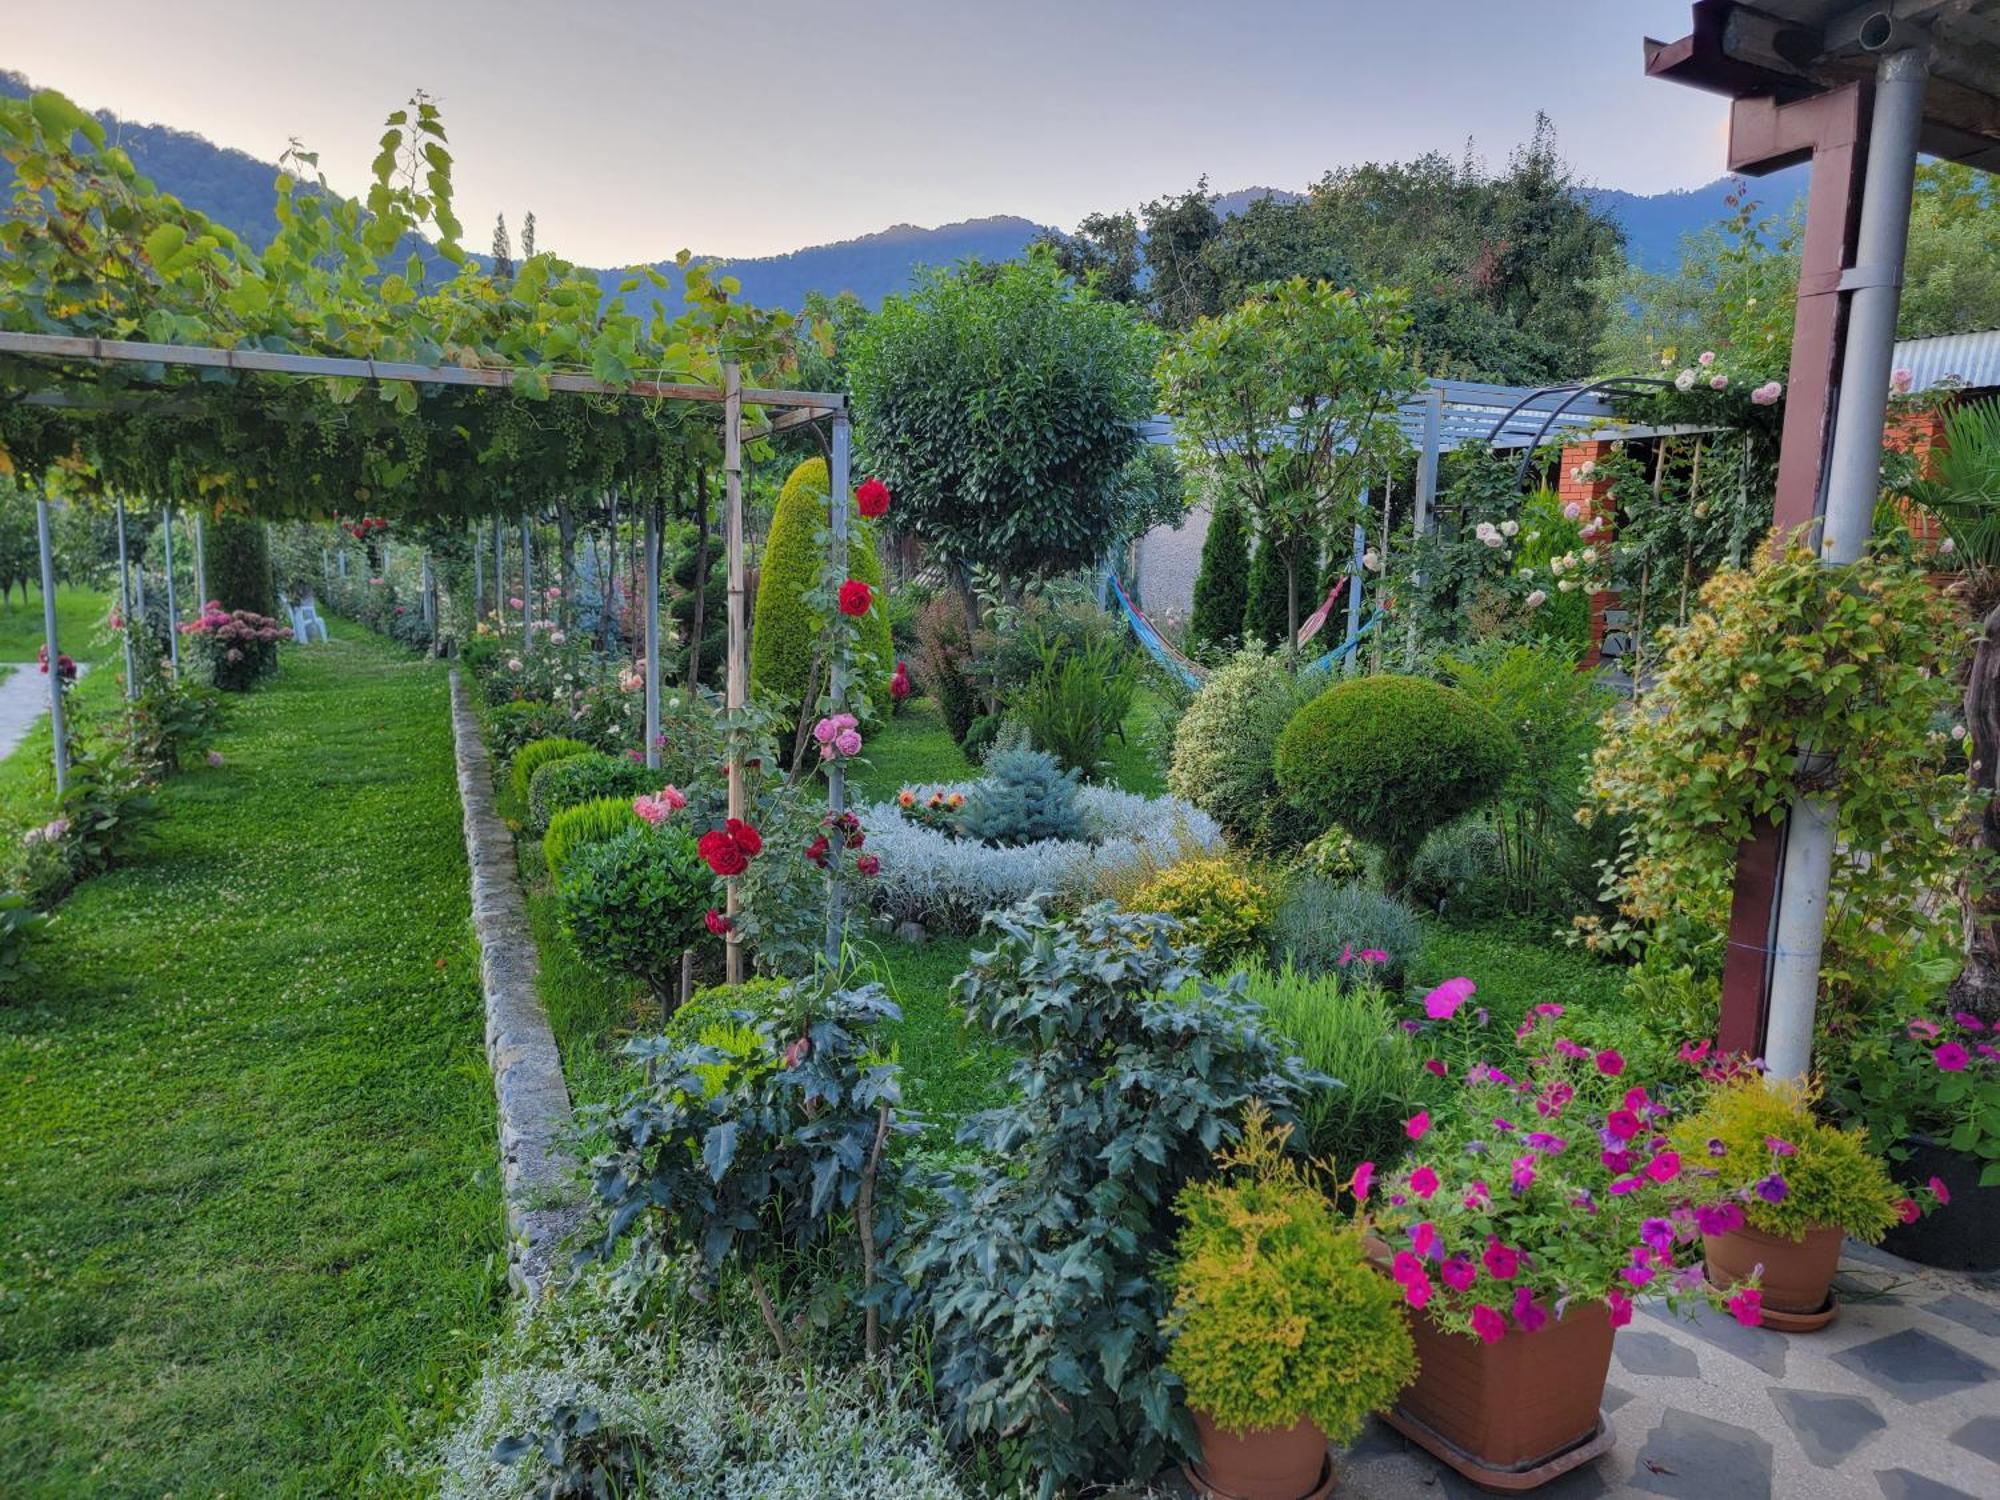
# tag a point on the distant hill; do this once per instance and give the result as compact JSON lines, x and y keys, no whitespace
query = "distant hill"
{"x":235,"y":188}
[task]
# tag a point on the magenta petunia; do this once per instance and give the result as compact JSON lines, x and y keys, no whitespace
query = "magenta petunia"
{"x":1527,"y":1316}
{"x":1442,"y":1003}
{"x":1363,"y":1176}
{"x":1939,"y":1191}
{"x":1435,"y":1065}
{"x":1619,"y":1306}
{"x":1502,"y":1262}
{"x":1458,"y":1272}
{"x":1424,"y":1182}
{"x":1423,"y":1238}
{"x":1622,"y":1124}
{"x":1488,"y":1324}
{"x":1718,"y":1218}
{"x":1951,"y":1057}
{"x":1417,"y":1124}
{"x":1665,"y":1167}
{"x":1610,"y":1062}
{"x":1406,"y":1267}
{"x":1417,"y":1291}
{"x":1747,"y":1307}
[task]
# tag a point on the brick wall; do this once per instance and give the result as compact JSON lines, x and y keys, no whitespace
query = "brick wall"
{"x":1578,"y":484}
{"x":1921,"y":433}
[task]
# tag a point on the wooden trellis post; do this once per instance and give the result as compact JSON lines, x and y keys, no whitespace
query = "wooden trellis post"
{"x":57,"y":731}
{"x":652,"y":646}
{"x":527,"y":584}
{"x":173,"y":606}
{"x":739,"y":635}
{"x":200,"y":563}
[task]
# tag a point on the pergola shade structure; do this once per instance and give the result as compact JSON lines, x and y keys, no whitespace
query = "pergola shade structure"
{"x":1858,"y":91}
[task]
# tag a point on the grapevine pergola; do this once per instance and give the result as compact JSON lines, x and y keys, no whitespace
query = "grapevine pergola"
{"x":147,"y":352}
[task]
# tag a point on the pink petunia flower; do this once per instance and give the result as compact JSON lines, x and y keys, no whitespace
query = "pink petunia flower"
{"x":1424,"y":1182}
{"x":1527,"y":1316}
{"x":1417,"y":1124}
{"x":1665,"y":1167}
{"x":1417,"y":1291}
{"x":1619,"y":1306}
{"x":1610,"y":1063}
{"x":1458,"y":1272}
{"x":1423,"y":1238}
{"x":1442,"y":1003}
{"x":1488,"y":1324}
{"x":1939,"y":1191}
{"x":1747,"y":1307}
{"x":1363,"y":1176}
{"x":1502,"y":1262}
{"x":1951,"y":1057}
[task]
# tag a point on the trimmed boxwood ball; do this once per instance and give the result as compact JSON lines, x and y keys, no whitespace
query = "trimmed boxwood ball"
{"x":633,"y":903}
{"x":584,"y":778}
{"x":1391,"y":758}
{"x":786,"y":628}
{"x":532,"y":756}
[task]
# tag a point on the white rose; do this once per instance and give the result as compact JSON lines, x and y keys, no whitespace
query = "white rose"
{"x":1537,"y":599}
{"x":1684,"y":381}
{"x":1510,"y":528}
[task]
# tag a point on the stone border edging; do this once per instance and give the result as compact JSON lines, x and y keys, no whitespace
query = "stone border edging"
{"x":537,"y":1174}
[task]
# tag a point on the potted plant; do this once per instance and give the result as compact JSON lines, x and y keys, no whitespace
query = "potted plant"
{"x":1784,"y":1188}
{"x":1534,"y":1211}
{"x":1927,"y":1091}
{"x":1284,"y":1336}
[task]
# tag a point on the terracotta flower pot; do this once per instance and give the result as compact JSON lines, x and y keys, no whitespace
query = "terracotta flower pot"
{"x":1510,"y":1407}
{"x":1269,"y":1464}
{"x":1798,"y":1274}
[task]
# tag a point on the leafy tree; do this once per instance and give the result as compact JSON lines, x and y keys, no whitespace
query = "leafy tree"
{"x":1289,"y":400}
{"x":503,"y":250}
{"x":1222,"y":587}
{"x":1267,"y":605}
{"x":1104,"y":252}
{"x":999,"y":404}
{"x":239,"y":564}
{"x":1180,"y":281}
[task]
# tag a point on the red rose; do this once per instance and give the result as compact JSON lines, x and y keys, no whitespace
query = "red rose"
{"x":717,"y":922}
{"x":872,"y":497}
{"x":868,"y":864}
{"x":816,"y":850}
{"x":721,"y":853}
{"x":747,"y":838}
{"x":855,"y":597}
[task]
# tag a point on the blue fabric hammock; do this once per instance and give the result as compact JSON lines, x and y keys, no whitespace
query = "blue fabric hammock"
{"x":1192,"y":672}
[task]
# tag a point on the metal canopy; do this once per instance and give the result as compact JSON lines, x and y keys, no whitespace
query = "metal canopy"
{"x":1792,"y":49}
{"x":1471,"y":412}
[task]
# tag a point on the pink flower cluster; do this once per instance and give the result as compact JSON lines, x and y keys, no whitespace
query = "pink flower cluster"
{"x":839,"y":736}
{"x":235,"y":627}
{"x":654,"y":809}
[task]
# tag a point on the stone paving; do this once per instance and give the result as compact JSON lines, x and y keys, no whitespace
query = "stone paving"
{"x":24,"y":702}
{"x":1898,"y":1399}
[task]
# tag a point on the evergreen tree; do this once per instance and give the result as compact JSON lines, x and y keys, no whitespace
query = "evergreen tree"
{"x":1222,"y":587}
{"x":238,"y":554}
{"x":503,"y":250}
{"x":1267,"y":612}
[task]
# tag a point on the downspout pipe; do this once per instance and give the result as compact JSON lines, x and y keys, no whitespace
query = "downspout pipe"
{"x":1854,"y":478}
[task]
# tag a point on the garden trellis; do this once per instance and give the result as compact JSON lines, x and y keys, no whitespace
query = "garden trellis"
{"x":148,"y":355}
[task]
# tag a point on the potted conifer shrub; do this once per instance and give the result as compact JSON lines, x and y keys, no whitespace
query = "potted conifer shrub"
{"x":1284,"y":1336}
{"x":1534,"y":1211}
{"x":1787,"y":1188}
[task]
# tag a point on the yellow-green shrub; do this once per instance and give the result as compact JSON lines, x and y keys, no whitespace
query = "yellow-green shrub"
{"x":1277,"y":1313}
{"x":576,"y":828}
{"x":786,"y":628}
{"x":1224,"y":907}
{"x":1831,"y":1179}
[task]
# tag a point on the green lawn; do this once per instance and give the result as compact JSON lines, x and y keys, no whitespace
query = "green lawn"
{"x":79,"y":623}
{"x":1516,"y":964}
{"x":916,"y":747}
{"x":248,"y":1213}
{"x":27,"y":774}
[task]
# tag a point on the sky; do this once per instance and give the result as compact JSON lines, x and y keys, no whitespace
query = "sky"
{"x":633,"y":130}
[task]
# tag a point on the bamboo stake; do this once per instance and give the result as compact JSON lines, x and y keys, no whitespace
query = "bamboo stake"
{"x":739,"y":635}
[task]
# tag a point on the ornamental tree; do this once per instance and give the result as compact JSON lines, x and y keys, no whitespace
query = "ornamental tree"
{"x":1290,"y":401}
{"x":1000,"y":404}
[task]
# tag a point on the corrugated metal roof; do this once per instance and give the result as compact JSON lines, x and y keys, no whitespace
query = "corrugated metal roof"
{"x":1969,"y":359}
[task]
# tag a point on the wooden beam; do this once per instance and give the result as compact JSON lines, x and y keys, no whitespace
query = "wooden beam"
{"x":738,"y":693}
{"x":798,"y":417}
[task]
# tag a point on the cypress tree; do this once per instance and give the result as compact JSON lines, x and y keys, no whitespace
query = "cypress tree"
{"x":239,"y":564}
{"x":1222,"y":587}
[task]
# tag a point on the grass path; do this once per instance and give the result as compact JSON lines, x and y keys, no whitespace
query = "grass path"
{"x":248,"y":1208}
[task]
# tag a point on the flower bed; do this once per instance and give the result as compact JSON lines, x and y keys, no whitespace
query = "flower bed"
{"x":950,"y":884}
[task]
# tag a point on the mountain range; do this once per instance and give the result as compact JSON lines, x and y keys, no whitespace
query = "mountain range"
{"x":235,"y":188}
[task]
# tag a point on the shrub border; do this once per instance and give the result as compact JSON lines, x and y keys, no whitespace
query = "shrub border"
{"x":537,"y":1172}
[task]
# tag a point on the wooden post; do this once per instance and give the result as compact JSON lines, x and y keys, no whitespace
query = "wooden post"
{"x":653,"y":634}
{"x":840,"y":496}
{"x":57,"y":734}
{"x":125,"y":606}
{"x":173,"y":606}
{"x":739,"y":635}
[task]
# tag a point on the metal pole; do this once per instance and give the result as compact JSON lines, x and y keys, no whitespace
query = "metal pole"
{"x":739,"y":632}
{"x":57,"y":733}
{"x":200,"y":562}
{"x":478,"y":571}
{"x":527,"y":584}
{"x":653,"y":634}
{"x":1854,"y":476}
{"x":499,"y":574}
{"x":173,"y":606}
{"x":1427,"y":479}
{"x":125,"y":606}
{"x":841,"y":498}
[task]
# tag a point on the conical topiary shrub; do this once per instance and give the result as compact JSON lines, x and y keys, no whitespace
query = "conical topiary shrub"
{"x":786,"y":628}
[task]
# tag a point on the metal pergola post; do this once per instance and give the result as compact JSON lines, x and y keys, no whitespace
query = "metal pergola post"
{"x":478,"y":570}
{"x":652,"y":645}
{"x":125,"y":606}
{"x":173,"y":604}
{"x":1426,"y":492}
{"x":1854,"y":476}
{"x":840,"y":497}
{"x":527,"y":583}
{"x":58,"y":732}
{"x":499,"y":573}
{"x":200,"y":562}
{"x":1354,"y":576}
{"x":739,"y":625}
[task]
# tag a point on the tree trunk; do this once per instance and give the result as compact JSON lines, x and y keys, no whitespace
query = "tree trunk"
{"x":1977,"y":987}
{"x":1291,"y":602}
{"x":566,"y":540}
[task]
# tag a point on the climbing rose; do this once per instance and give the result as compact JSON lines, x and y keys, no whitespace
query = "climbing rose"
{"x":722,"y":853}
{"x":868,"y":864}
{"x":855,"y":597}
{"x":1767,"y":394}
{"x":1900,"y":382}
{"x":716,"y":922}
{"x":1684,"y":381}
{"x":745,"y":837}
{"x":1537,"y":598}
{"x":513,"y":663}
{"x":511,"y":603}
{"x":1707,"y":358}
{"x":872,"y":498}
{"x":816,"y":850}
{"x":650,"y":810}
{"x":1718,"y":382}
